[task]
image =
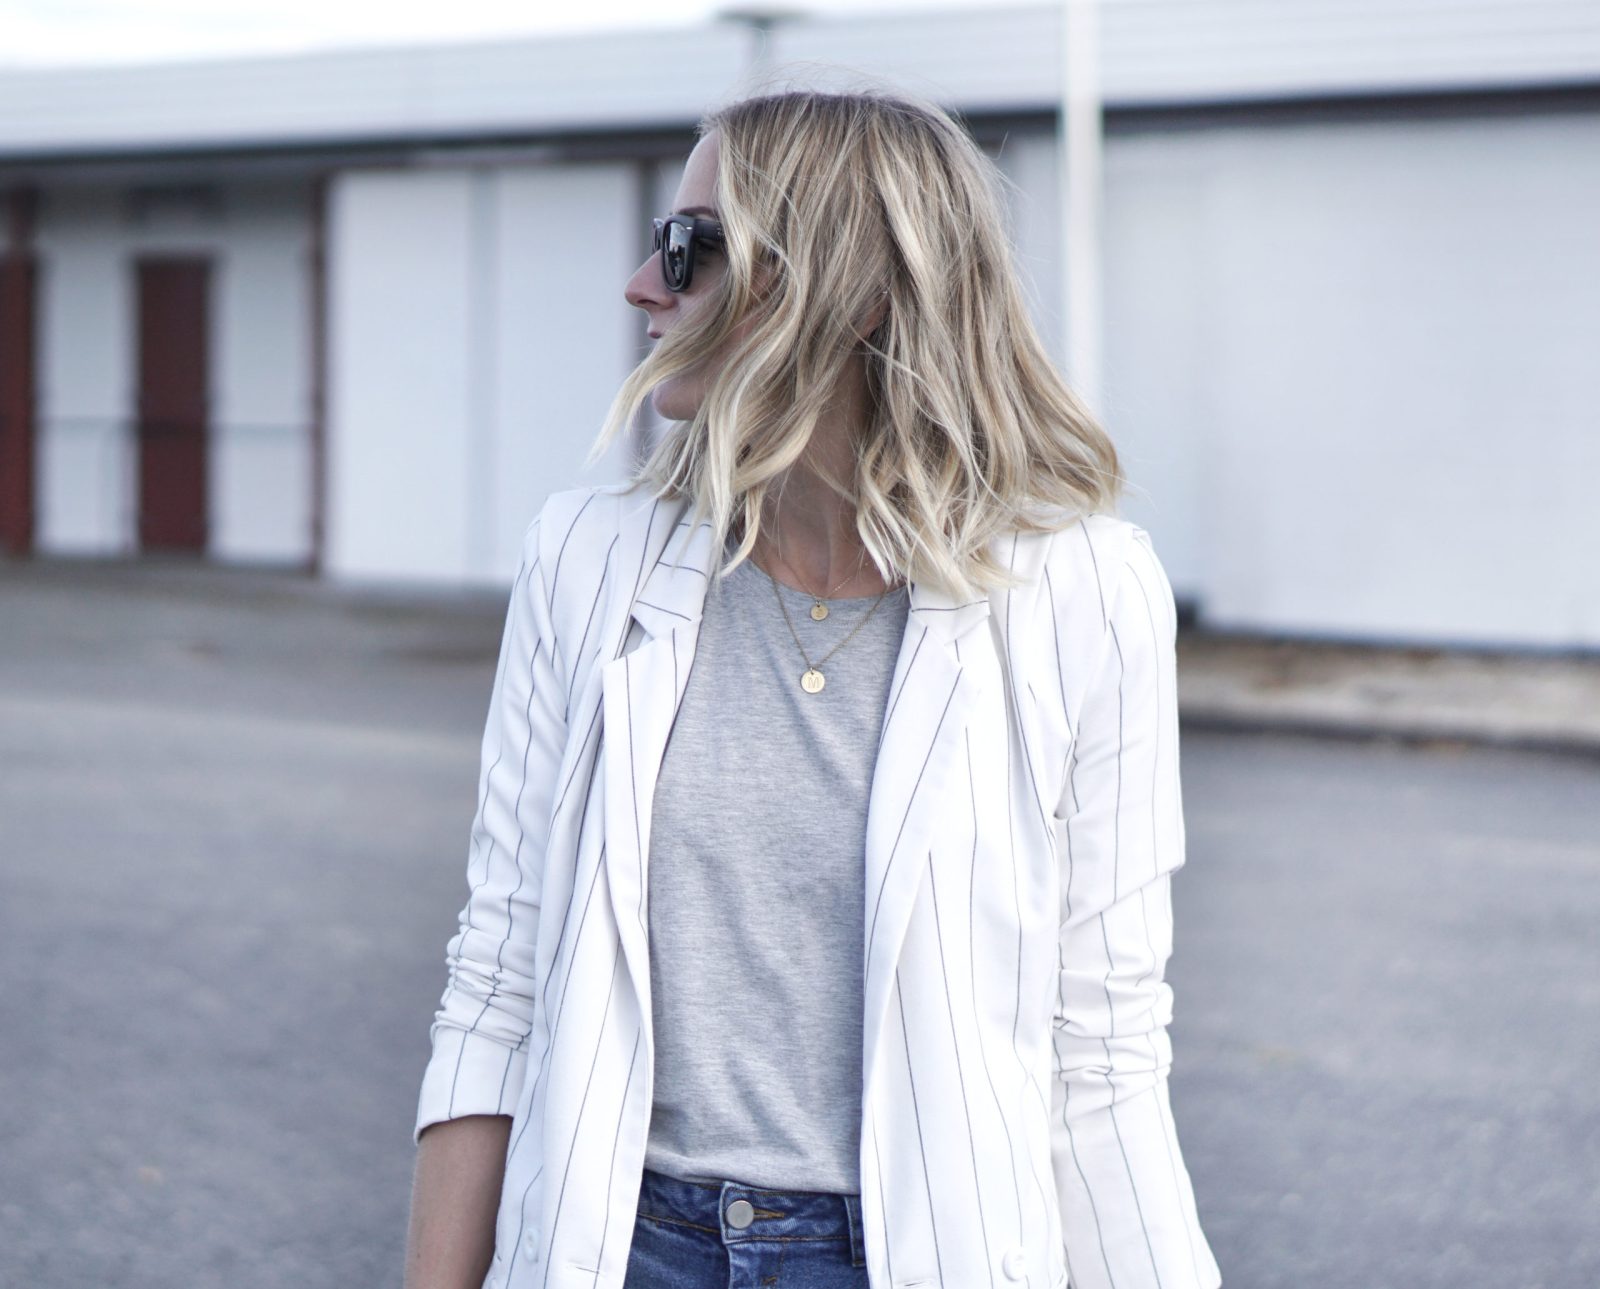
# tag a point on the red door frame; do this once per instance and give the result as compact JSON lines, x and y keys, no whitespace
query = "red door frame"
{"x":19,"y":276}
{"x":172,"y":301}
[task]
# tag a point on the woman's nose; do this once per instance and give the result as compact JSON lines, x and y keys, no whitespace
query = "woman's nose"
{"x":645,"y":287}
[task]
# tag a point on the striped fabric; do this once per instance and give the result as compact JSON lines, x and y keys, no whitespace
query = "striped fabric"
{"x":1024,"y":820}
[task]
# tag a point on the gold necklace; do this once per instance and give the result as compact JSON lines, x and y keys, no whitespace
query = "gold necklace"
{"x":819,"y":610}
{"x":811,"y":679}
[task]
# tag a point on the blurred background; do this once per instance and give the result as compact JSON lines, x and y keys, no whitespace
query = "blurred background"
{"x":305,"y":309}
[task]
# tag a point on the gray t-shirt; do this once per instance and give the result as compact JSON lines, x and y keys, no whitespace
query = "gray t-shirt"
{"x":756,"y":872}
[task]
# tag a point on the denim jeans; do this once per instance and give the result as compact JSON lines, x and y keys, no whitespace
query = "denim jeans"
{"x":729,"y":1235}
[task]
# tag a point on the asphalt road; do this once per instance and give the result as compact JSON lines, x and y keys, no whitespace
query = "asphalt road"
{"x":233,"y":819}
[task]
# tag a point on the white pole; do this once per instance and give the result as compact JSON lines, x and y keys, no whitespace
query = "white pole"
{"x":1080,"y":139}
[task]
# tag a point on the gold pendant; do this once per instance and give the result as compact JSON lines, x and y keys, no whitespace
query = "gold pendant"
{"x":819,"y":610}
{"x":811,"y":680}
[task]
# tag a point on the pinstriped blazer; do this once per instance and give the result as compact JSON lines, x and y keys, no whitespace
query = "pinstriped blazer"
{"x":1024,"y":821}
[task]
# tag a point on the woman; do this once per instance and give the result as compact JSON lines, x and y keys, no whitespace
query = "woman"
{"x":864,"y":667}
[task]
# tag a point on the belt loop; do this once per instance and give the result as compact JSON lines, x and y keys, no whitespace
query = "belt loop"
{"x":858,"y":1243}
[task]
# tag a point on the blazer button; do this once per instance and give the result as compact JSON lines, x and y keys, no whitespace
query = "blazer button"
{"x":1015,"y":1262}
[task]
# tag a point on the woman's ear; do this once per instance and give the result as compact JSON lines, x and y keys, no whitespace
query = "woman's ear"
{"x":764,"y":279}
{"x":874,"y":319}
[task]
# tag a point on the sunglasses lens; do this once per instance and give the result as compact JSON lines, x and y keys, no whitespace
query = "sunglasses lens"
{"x":675,"y":256}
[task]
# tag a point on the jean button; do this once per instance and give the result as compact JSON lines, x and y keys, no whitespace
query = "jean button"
{"x":740,"y":1214}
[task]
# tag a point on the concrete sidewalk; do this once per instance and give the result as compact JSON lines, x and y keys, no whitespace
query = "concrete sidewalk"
{"x":1537,"y":699}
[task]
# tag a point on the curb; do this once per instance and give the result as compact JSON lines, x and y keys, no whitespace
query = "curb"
{"x":1436,"y":738}
{"x":1523,"y":699}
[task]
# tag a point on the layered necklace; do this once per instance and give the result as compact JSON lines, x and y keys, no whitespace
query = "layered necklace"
{"x":811,"y":679}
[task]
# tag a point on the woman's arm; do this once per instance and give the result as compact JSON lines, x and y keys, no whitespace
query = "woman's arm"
{"x":480,"y":1030}
{"x":1128,"y":1209}
{"x":455,"y":1196}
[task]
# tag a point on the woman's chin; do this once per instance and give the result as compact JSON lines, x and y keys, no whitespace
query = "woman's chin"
{"x":672,"y":406}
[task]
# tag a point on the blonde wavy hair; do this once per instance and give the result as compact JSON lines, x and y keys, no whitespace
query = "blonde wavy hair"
{"x":831,"y":204}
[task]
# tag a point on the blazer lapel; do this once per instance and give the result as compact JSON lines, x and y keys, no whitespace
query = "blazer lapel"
{"x":641,"y":691}
{"x":932,"y":697}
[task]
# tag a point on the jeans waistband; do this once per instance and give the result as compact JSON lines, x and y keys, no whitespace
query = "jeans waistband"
{"x":770,"y":1215}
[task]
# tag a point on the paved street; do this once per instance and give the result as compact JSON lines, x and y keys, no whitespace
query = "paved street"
{"x":233,"y":818}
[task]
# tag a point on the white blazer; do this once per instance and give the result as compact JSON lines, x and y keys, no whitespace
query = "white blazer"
{"x":1024,"y":820}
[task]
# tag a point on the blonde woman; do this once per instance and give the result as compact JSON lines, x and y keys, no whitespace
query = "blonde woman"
{"x":820,"y":883}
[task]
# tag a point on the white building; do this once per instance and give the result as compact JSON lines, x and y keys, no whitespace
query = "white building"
{"x":360,"y":311}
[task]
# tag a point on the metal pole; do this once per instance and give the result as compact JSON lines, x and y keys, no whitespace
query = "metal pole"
{"x":1080,"y":140}
{"x":762,"y":20}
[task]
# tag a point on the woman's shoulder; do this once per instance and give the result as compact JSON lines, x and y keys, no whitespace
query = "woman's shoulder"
{"x":1094,"y":544}
{"x":1088,"y":561}
{"x":580,"y":511}
{"x":573,"y":529}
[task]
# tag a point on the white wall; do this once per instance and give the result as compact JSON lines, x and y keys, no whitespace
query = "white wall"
{"x":1159,"y":320}
{"x":477,"y":336}
{"x":1356,"y":367}
{"x":84,"y":493}
{"x":1028,"y":160}
{"x":568,"y":244}
{"x":1349,"y":365}
{"x":261,"y":484}
{"x":1150,"y":318}
{"x":258,"y":484}
{"x":399,"y":364}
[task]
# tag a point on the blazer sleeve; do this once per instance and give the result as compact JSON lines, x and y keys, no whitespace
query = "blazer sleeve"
{"x":1128,"y":1208}
{"x":479,"y":1034}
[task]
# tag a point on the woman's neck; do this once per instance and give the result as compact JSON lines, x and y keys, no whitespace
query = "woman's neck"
{"x":808,"y":540}
{"x":808,"y":531}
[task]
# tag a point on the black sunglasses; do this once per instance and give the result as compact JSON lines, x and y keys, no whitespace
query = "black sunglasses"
{"x":676,"y":237}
